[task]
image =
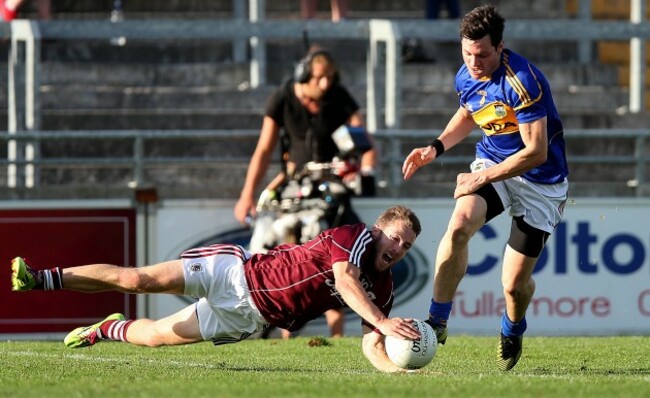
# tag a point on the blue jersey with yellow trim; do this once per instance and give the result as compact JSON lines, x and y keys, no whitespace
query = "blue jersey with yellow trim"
{"x":517,"y":92}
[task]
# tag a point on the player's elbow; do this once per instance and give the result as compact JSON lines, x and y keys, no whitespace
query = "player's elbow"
{"x":540,"y":159}
{"x":537,"y":157}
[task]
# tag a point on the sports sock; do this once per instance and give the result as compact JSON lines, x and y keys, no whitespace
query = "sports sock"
{"x":52,"y":279}
{"x":510,"y":328}
{"x":114,"y":330}
{"x":439,"y":313}
{"x":48,"y":279}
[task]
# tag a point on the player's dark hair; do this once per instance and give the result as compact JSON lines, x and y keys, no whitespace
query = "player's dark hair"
{"x":402,"y":213}
{"x":481,"y":21}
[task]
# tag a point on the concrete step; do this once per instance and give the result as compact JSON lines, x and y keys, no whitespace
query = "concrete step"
{"x":223,"y":74}
{"x":163,"y":119}
{"x":184,"y":51}
{"x":233,"y":75}
{"x":135,"y":51}
{"x":237,"y":148}
{"x":171,"y":119}
{"x":81,"y":98}
{"x":286,"y":52}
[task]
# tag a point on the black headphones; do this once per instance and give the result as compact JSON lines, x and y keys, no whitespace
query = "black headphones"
{"x":302,"y":70}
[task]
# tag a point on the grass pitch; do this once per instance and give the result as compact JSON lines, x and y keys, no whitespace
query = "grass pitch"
{"x":465,"y":367}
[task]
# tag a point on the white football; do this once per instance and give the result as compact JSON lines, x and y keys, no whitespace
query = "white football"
{"x":413,"y":354}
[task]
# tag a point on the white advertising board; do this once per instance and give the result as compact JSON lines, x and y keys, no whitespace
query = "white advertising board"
{"x":592,"y":279}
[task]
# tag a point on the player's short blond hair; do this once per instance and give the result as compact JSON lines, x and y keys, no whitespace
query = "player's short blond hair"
{"x":401,"y":213}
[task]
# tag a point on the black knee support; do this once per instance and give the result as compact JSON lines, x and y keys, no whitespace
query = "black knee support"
{"x":526,"y":239}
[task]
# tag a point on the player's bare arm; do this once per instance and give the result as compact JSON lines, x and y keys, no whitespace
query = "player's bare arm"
{"x":532,"y":155}
{"x":374,"y":349}
{"x":459,"y":127}
{"x":346,"y":277}
{"x":257,"y":168}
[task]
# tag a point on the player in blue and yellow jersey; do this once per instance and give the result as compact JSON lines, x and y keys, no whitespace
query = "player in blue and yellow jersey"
{"x":520,"y":165}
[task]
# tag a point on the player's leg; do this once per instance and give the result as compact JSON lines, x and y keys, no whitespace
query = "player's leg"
{"x":452,"y":258}
{"x":452,"y":255}
{"x":470,"y":214}
{"x":335,"y":319}
{"x":516,"y":279}
{"x":524,"y":247}
{"x":537,"y":210}
{"x":164,"y":277}
{"x":179,"y":328}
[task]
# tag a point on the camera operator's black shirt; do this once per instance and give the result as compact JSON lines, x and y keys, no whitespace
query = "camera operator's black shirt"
{"x":310,"y":136}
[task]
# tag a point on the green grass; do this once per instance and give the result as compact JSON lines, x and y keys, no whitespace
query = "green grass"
{"x":465,"y":367}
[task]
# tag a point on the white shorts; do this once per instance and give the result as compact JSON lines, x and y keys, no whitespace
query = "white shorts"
{"x":541,"y":205}
{"x":225,"y":309}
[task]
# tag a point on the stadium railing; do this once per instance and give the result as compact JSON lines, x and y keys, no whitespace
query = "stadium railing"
{"x":383,"y":37}
{"x":633,"y":154}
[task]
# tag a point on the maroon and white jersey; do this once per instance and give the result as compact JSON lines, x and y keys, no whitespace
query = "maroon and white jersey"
{"x":293,"y":284}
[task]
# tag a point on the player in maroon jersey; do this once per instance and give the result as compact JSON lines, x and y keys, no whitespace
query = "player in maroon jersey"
{"x":241,"y":294}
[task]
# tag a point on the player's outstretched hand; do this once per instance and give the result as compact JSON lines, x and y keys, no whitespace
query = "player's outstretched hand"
{"x":399,"y":327}
{"x":416,"y":159}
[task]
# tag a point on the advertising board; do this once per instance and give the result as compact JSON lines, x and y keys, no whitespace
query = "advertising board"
{"x":48,"y":237}
{"x":592,"y":279}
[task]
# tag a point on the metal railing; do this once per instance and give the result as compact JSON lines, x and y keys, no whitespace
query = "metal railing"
{"x":393,"y":144}
{"x":383,"y":57}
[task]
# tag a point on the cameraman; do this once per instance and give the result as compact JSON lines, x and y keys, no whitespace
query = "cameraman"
{"x":307,"y":108}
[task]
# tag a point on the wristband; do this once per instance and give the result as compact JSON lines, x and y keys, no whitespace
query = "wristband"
{"x":438,"y":146}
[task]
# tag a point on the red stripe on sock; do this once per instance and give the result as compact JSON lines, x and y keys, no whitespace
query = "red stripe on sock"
{"x":115,"y":330}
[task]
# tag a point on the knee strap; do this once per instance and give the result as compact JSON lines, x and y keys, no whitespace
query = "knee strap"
{"x":526,"y":239}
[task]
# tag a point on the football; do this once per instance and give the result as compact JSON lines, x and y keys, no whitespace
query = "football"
{"x":413,"y":354}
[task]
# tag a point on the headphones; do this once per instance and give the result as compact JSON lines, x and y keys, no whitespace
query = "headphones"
{"x":302,"y":70}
